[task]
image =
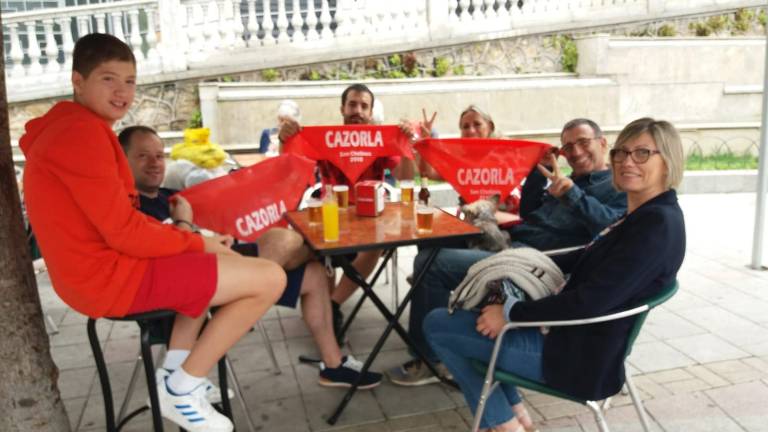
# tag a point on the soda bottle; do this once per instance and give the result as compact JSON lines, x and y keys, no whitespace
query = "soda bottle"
{"x":424,"y":192}
{"x":330,"y":216}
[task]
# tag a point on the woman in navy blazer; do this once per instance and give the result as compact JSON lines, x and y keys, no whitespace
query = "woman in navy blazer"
{"x":629,"y":261}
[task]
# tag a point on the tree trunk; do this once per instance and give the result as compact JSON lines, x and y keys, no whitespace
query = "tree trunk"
{"x":29,"y":393}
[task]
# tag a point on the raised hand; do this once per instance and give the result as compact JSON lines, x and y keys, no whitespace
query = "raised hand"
{"x":288,"y":128}
{"x":560,"y":184}
{"x":426,"y":125}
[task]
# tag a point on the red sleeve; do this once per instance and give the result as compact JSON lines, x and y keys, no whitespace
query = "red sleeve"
{"x":92,"y":175}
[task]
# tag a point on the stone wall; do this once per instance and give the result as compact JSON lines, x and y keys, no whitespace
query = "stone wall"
{"x":171,"y":106}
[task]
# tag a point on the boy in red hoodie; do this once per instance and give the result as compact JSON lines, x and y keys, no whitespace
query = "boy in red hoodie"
{"x":106,"y":258}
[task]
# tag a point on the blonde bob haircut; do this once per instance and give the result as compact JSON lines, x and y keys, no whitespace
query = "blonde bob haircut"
{"x":484,"y":115}
{"x":667,"y":142}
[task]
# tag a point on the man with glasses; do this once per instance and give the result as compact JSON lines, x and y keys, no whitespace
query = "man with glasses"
{"x":558,"y":211}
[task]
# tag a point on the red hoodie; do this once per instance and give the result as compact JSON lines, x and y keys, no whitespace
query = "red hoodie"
{"x":81,"y":200}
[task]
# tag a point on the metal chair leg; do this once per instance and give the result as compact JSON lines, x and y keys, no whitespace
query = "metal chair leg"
{"x":149,"y":371}
{"x":265,"y":337}
{"x":101,"y":368}
{"x":599,"y":418}
{"x":239,"y":394}
{"x":637,"y":402}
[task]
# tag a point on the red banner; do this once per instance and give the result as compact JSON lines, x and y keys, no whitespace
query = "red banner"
{"x":247,"y":202}
{"x":351,"y":148}
{"x":479,"y":168}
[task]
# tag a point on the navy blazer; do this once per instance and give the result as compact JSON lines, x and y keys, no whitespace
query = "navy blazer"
{"x":629,"y":264}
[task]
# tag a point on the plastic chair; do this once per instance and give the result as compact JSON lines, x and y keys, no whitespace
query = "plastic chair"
{"x":494,"y":377}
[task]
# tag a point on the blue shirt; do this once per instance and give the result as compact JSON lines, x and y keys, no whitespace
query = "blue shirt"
{"x":574,"y":219}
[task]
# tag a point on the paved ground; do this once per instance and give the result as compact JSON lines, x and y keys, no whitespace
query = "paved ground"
{"x":701,"y":361}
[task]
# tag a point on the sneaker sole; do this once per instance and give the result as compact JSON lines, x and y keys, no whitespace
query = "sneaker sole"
{"x":421,"y":382}
{"x":327,"y":383}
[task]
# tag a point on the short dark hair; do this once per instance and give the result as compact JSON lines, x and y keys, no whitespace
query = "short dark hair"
{"x":359,"y":88}
{"x":582,"y":121}
{"x":126,"y":134}
{"x":94,"y":49}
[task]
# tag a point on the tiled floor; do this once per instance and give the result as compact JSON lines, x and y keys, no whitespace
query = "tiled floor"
{"x":701,"y":361}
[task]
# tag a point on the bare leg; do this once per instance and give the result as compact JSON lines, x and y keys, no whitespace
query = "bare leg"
{"x":510,"y":426}
{"x":316,"y":310}
{"x":283,"y":246}
{"x":246,"y":288}
{"x":522,"y":416}
{"x":185,"y":332}
{"x":364,"y":263}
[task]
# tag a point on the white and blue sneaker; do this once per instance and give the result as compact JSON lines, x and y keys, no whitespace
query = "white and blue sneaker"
{"x":212,"y":392}
{"x":191,"y":411}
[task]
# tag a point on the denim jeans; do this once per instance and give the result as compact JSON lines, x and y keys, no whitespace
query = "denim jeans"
{"x":445,"y":274}
{"x":456,"y":342}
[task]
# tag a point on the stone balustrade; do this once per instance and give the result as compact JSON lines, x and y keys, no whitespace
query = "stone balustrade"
{"x":175,"y":39}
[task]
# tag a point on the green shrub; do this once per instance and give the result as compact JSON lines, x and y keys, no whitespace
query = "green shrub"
{"x":742,"y":20}
{"x":718,"y":23}
{"x":458,"y":70}
{"x":395,"y":60}
{"x":700,"y":28}
{"x":314,"y":75}
{"x":762,"y":18}
{"x":196,"y":119}
{"x":569,"y":53}
{"x":667,"y":30}
{"x":442,"y":66}
{"x":270,"y":74}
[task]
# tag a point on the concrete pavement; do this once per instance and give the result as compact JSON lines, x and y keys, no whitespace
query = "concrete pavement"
{"x":701,"y":361}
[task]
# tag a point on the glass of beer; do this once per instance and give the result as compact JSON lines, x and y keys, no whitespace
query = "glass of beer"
{"x":406,"y":191}
{"x":342,"y":196}
{"x":315,"y":209}
{"x":425,"y":216}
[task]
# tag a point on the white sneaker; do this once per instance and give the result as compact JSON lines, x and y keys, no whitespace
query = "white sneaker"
{"x":191,"y":411}
{"x":212,"y":392}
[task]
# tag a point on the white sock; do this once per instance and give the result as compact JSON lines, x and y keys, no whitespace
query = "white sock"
{"x":180,"y":382}
{"x":174,"y":358}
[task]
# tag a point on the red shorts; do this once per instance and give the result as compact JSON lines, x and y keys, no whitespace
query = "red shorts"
{"x":184,"y":283}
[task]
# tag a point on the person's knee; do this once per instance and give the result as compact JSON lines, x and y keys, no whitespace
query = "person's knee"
{"x":281,"y":245}
{"x":270,"y":280}
{"x":435,"y":321}
{"x":421,"y":260}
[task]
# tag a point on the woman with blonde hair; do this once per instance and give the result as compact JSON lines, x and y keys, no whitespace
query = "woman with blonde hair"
{"x":630,"y":261}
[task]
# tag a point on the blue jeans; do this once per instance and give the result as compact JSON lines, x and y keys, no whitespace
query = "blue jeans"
{"x":456,"y":342}
{"x":445,"y":274}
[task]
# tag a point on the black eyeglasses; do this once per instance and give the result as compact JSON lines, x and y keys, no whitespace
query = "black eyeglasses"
{"x":639,"y":156}
{"x":583,"y":143}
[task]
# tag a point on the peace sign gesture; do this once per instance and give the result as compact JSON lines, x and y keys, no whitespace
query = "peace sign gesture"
{"x":426,"y":125}
{"x":560,"y":183}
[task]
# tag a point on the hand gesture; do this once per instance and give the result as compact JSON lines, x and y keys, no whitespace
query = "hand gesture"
{"x":180,"y":208}
{"x":560,"y":183}
{"x":426,"y":125}
{"x":288,"y":128}
{"x":491,"y":321}
{"x":218,"y":244}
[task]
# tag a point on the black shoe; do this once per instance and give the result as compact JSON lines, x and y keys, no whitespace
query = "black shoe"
{"x":347,"y":374}
{"x":338,"y":322}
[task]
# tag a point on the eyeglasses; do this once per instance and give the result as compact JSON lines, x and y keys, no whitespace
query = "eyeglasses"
{"x":639,"y":156}
{"x":583,"y":143}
